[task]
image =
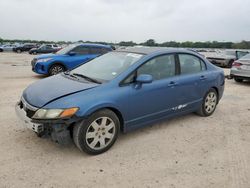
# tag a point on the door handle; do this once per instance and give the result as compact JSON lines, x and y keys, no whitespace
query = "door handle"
{"x":203,"y":77}
{"x":172,"y":84}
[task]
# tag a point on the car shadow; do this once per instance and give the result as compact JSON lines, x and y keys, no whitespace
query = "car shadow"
{"x":46,"y":145}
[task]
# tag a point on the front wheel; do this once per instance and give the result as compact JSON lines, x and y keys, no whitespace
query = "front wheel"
{"x":55,"y":69}
{"x":97,"y":133}
{"x":209,"y":103}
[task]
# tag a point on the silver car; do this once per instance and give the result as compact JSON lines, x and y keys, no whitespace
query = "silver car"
{"x":241,"y":69}
{"x":227,"y":58}
{"x":7,"y":48}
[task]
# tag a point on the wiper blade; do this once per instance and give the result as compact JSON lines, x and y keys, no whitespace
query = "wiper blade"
{"x":87,"y":78}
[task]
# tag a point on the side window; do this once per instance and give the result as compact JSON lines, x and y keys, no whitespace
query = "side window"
{"x":81,"y":50}
{"x":105,"y":50}
{"x":130,"y":79}
{"x":95,"y":50}
{"x":190,"y":64}
{"x":160,"y":67}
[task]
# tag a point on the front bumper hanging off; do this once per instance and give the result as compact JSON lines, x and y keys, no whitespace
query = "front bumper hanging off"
{"x":58,"y":130}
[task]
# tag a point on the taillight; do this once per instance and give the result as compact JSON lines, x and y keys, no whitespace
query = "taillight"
{"x":236,"y":64}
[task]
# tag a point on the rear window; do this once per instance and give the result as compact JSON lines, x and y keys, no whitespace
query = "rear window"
{"x":190,"y":64}
{"x":246,"y":57}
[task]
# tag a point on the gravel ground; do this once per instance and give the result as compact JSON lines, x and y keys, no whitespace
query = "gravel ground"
{"x":189,"y":151}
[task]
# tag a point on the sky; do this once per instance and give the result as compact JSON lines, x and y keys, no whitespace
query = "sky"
{"x":125,"y":20}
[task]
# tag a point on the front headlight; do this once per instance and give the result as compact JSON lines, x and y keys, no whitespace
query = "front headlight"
{"x":43,"y":60}
{"x":54,"y":113}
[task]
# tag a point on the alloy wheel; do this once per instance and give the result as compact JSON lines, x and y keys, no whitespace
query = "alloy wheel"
{"x":100,"y":133}
{"x":210,"y":102}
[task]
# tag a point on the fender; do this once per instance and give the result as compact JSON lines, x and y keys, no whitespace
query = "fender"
{"x":96,"y":107}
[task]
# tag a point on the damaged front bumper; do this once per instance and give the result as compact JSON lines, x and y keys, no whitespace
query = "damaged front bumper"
{"x":58,"y":129}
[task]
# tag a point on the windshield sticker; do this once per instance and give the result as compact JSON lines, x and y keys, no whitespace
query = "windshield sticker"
{"x":134,"y":55}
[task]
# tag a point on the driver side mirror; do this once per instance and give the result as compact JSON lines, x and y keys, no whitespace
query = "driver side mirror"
{"x":72,"y":53}
{"x":144,"y":79}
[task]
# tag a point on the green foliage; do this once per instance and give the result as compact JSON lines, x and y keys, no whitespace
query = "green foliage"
{"x":127,"y":43}
{"x":150,"y":42}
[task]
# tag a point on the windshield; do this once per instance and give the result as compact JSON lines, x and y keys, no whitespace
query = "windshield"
{"x":107,"y":66}
{"x":246,"y":57}
{"x":65,"y":50}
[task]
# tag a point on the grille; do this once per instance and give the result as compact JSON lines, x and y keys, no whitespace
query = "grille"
{"x":30,"y":111}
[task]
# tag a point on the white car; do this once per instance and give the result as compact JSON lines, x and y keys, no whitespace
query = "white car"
{"x":6,"y":47}
{"x":241,"y":69}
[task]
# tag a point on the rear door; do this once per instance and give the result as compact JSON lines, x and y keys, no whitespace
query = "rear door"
{"x":192,"y":82}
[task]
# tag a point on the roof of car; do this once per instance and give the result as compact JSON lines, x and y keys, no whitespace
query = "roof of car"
{"x":95,"y":44}
{"x":151,"y":50}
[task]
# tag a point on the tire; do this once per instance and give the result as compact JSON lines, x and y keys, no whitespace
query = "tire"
{"x":97,"y":133}
{"x":238,"y":79}
{"x":1,"y":50}
{"x":55,"y":69}
{"x":209,"y":103}
{"x":19,"y":51}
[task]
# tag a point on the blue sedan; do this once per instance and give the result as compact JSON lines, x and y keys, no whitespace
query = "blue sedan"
{"x":120,"y":91}
{"x":67,"y":58}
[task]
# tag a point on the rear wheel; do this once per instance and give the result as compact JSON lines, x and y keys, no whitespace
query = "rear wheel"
{"x":209,"y":103}
{"x":238,"y":79}
{"x":97,"y":133}
{"x":55,"y":69}
{"x":19,"y":51}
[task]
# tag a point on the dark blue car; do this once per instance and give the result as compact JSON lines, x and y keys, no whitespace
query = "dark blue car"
{"x":120,"y":91}
{"x":67,"y":58}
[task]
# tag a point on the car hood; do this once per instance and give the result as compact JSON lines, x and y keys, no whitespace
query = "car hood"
{"x":49,"y":89}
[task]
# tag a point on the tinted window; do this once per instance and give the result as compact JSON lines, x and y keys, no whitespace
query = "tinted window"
{"x":95,"y":50}
{"x":81,"y":50}
{"x":190,"y":64}
{"x":160,"y":67}
{"x":241,"y":54}
{"x":105,"y":50}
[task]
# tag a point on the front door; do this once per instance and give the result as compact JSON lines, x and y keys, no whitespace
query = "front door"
{"x":155,"y":100}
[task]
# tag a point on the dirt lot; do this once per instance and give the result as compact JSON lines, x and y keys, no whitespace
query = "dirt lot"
{"x":185,"y":152}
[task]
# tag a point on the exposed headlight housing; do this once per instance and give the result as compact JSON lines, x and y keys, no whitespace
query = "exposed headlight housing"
{"x":44,"y":60}
{"x":54,"y":113}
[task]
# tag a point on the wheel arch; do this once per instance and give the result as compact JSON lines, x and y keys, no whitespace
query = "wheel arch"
{"x":217,"y":91}
{"x":109,"y":107}
{"x":57,"y":63}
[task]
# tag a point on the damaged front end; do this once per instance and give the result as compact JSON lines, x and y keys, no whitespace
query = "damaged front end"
{"x":58,"y":129}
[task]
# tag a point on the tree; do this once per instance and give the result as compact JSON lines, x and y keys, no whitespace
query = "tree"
{"x":150,"y":42}
{"x":127,"y":43}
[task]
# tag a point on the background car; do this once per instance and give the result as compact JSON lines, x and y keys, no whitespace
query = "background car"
{"x":241,"y":69}
{"x":67,"y":58}
{"x":120,"y":91}
{"x":24,"y":48}
{"x":227,"y":58}
{"x":44,"y":49}
{"x":7,"y":48}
